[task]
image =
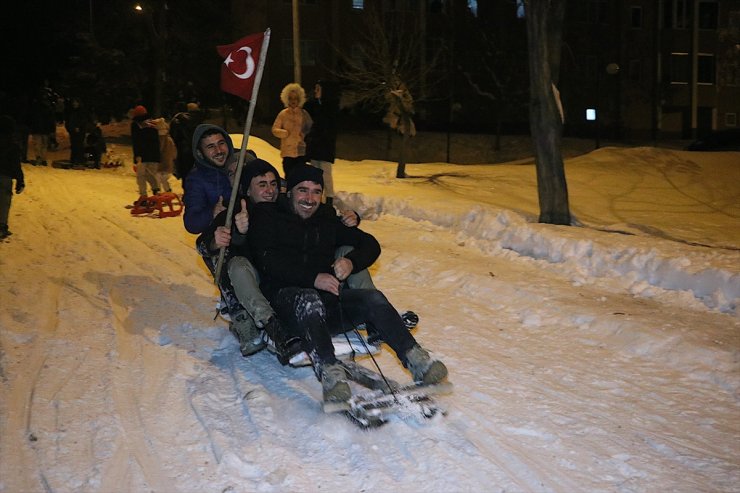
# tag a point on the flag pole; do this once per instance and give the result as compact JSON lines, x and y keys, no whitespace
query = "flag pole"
{"x":243,"y":149}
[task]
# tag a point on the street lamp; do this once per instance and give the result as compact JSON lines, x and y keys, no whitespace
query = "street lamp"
{"x":158,"y":35}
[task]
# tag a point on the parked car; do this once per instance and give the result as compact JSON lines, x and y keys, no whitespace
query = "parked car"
{"x":719,"y":140}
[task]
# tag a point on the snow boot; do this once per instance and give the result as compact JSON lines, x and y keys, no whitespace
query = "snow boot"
{"x":334,"y":383}
{"x":423,"y":368}
{"x":283,"y":348}
{"x":247,"y":333}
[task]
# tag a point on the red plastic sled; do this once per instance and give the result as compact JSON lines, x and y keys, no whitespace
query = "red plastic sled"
{"x":162,"y":205}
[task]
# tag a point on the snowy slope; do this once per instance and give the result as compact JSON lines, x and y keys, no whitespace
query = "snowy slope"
{"x":583,"y":360}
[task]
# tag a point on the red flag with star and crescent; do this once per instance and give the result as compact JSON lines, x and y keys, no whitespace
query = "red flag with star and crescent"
{"x":240,"y":65}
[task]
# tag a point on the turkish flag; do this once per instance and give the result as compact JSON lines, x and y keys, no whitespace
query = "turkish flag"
{"x":241,"y":59}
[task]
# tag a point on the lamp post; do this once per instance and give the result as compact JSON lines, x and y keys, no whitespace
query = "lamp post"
{"x":296,"y":44}
{"x":158,"y":35}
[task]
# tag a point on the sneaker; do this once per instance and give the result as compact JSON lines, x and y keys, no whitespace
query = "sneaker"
{"x":334,"y":383}
{"x":248,"y":335}
{"x":423,"y":368}
{"x":283,"y":348}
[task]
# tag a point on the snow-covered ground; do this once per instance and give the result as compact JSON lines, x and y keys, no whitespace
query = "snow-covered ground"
{"x":599,"y":358}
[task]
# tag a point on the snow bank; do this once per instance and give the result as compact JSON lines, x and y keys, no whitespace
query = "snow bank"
{"x":644,"y":270}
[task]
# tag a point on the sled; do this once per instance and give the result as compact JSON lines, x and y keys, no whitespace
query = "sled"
{"x":161,"y":205}
{"x":384,"y":399}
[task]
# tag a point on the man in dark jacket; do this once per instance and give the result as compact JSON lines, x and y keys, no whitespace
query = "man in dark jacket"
{"x":41,"y":125}
{"x":182,"y":129}
{"x":293,"y":244}
{"x":207,"y":191}
{"x":10,"y":169}
{"x":321,"y":141}
{"x":145,"y":143}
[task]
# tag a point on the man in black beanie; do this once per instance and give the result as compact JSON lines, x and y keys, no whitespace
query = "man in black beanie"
{"x":292,"y":244}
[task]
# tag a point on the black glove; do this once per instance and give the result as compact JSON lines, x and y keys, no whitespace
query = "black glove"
{"x":19,"y":187}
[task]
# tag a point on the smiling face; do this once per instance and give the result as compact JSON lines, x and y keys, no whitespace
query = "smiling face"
{"x":263,"y":188}
{"x":215,"y":149}
{"x":305,"y":198}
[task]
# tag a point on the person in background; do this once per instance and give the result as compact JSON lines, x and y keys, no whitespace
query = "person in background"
{"x":145,"y":143}
{"x":41,"y":125}
{"x":56,"y":102}
{"x":10,"y":169}
{"x":182,"y":126}
{"x":77,"y":122}
{"x":167,"y":152}
{"x":293,"y":244}
{"x":291,"y":126}
{"x":321,"y":141}
{"x":95,"y":146}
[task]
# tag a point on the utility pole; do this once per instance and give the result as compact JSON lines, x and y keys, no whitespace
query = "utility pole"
{"x":296,"y":45}
{"x":694,"y":68}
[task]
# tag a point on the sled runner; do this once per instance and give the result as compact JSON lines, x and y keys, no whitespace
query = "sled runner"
{"x":383,"y":399}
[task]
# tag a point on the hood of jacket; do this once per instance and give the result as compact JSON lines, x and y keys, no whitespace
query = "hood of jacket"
{"x":198,"y":133}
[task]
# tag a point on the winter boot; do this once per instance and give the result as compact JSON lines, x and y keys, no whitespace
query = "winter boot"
{"x":247,"y":333}
{"x":423,"y":368}
{"x":334,"y":383}
{"x":283,"y":348}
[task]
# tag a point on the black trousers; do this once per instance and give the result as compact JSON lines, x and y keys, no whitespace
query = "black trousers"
{"x":315,"y":315}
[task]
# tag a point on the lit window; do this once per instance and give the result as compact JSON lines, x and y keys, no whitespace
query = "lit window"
{"x":358,"y":4}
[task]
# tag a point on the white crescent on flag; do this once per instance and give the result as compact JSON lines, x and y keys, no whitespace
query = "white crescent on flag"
{"x":248,"y":61}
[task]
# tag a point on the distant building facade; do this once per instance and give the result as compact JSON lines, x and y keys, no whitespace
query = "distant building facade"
{"x":650,"y":68}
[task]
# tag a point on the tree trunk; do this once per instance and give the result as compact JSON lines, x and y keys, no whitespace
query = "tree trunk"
{"x":544,"y":35}
{"x":401,"y":169}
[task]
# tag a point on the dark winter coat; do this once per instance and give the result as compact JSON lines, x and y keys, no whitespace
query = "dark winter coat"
{"x":321,"y":140}
{"x":182,"y":128}
{"x":41,"y":118}
{"x":290,"y":251}
{"x":145,"y":140}
{"x":204,"y":185}
{"x":10,"y":160}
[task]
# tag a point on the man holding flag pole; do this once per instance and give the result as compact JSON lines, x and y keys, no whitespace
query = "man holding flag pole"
{"x":209,"y":182}
{"x":237,"y":79}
